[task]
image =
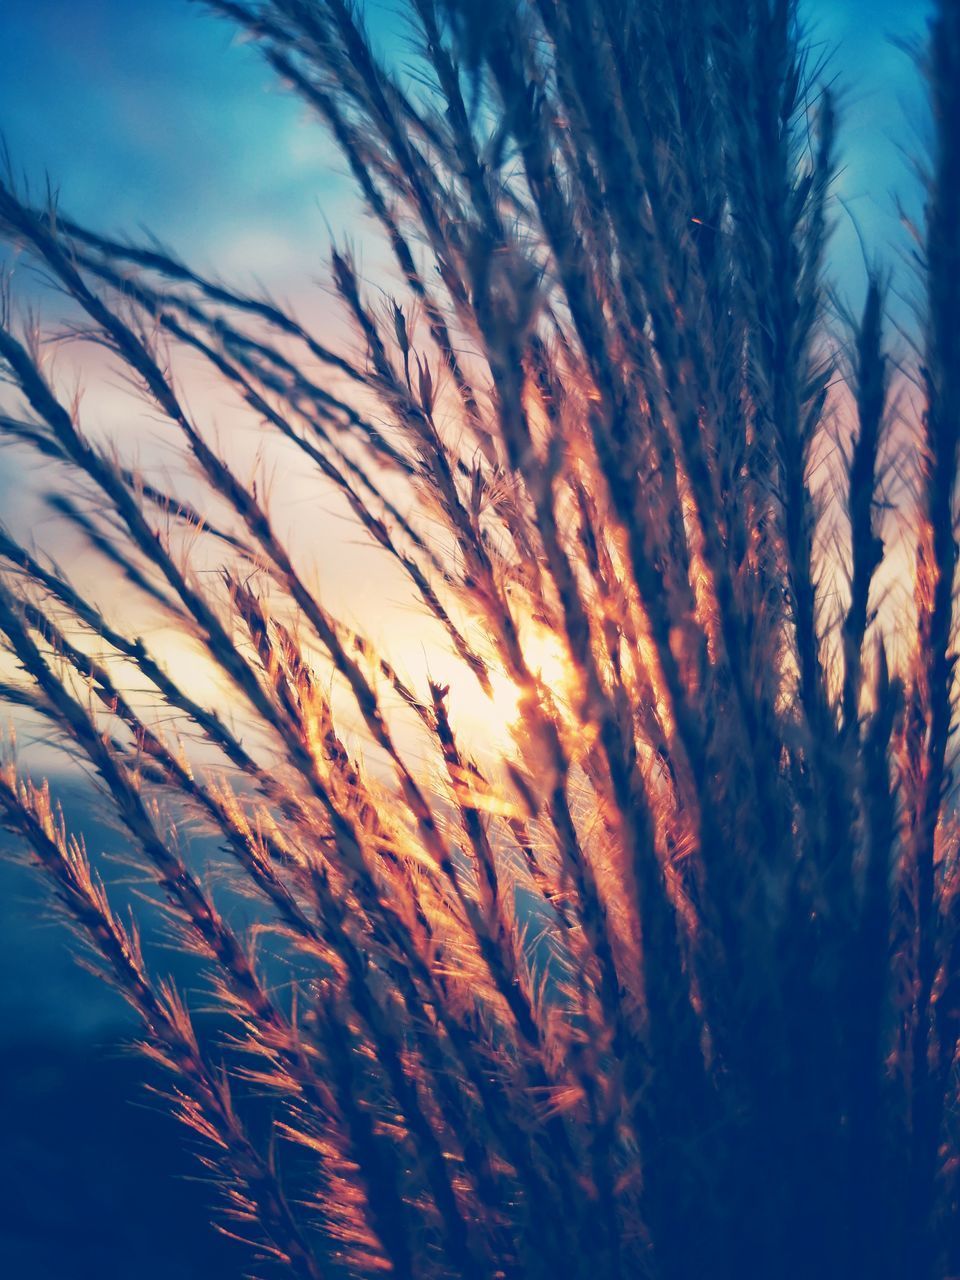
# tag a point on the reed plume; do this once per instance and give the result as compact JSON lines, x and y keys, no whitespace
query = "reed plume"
{"x":665,"y":981}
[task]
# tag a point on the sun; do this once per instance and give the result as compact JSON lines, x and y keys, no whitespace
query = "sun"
{"x":485,"y":720}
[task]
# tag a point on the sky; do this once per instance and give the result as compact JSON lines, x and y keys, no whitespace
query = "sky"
{"x":152,"y":114}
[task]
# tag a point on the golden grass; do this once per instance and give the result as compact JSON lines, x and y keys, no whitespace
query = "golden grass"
{"x":665,"y":982}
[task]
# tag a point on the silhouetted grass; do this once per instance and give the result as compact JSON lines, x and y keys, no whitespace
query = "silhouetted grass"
{"x":669,"y":985}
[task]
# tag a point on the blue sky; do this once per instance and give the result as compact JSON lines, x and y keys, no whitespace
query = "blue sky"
{"x":148,"y":112}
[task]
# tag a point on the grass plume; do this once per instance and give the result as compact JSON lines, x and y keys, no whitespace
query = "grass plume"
{"x":667,"y":983}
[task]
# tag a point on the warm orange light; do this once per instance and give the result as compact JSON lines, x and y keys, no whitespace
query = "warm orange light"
{"x":485,"y":721}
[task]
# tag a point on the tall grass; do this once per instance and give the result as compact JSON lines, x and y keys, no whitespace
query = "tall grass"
{"x":670,"y":984}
